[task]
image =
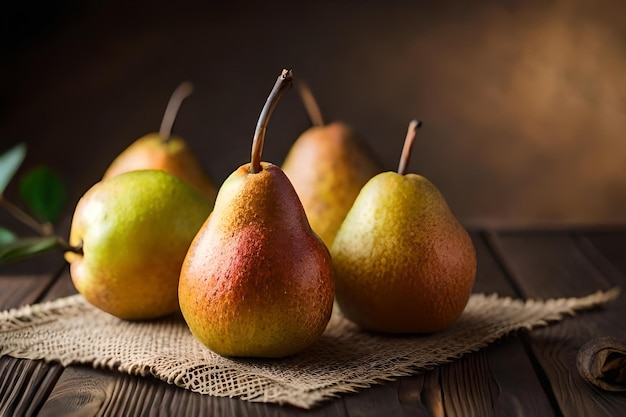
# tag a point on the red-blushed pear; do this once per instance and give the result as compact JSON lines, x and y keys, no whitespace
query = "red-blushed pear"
{"x":164,"y":151}
{"x":328,"y":164}
{"x":133,"y":231}
{"x":403,"y":263}
{"x":257,"y":281}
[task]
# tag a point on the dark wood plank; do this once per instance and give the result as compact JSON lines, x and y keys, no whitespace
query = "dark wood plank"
{"x":377,"y":400}
{"x":605,"y":246}
{"x":499,"y":380}
{"x":469,"y":378}
{"x":84,"y":391}
{"x":19,"y":290}
{"x":61,"y":287}
{"x":552,"y":264}
{"x":516,"y":389}
{"x":25,"y":384}
{"x":432,"y":394}
{"x":109,"y":392}
{"x":411,"y":392}
{"x":490,"y":277}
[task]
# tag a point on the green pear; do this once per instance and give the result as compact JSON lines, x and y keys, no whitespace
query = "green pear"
{"x":328,"y":164}
{"x":403,"y":263}
{"x":257,"y":280}
{"x":134,"y":230}
{"x":165,"y":151}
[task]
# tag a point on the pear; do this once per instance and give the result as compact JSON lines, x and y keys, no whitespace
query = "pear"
{"x":403,"y":263}
{"x":165,"y":151}
{"x":134,"y":230}
{"x":327,"y":164}
{"x":257,"y":281}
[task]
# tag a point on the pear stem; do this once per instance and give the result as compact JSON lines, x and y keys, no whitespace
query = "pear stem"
{"x":183,"y":91}
{"x":310,"y":104}
{"x":408,"y":145}
{"x":284,"y":81}
{"x":74,"y":249}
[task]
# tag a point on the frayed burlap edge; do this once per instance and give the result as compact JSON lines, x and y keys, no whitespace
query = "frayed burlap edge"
{"x":345,"y":359}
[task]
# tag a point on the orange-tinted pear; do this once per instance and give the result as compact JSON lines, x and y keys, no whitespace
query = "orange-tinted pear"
{"x":167,"y":152}
{"x":403,"y":263}
{"x":257,"y":281}
{"x":328,"y":164}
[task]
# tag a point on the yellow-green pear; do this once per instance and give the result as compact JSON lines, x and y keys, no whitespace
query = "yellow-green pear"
{"x":133,"y":231}
{"x":403,"y":263}
{"x":257,"y":281}
{"x":164,"y":151}
{"x":328,"y":164}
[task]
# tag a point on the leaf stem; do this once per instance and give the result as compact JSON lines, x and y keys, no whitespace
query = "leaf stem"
{"x":44,"y":229}
{"x":284,"y":81}
{"x":180,"y":93}
{"x":408,"y":145}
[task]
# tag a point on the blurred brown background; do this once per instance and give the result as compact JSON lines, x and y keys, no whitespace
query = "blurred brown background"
{"x":523,"y":102}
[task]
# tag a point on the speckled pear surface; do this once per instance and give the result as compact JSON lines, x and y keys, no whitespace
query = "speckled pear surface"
{"x":403,"y":263}
{"x":173,"y":156}
{"x":135,"y":230}
{"x":327,"y":166}
{"x":257,"y":281}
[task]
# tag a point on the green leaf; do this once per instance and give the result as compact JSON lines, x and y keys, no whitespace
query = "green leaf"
{"x":10,"y":162}
{"x":26,"y":247}
{"x":43,"y":192}
{"x":6,"y":236}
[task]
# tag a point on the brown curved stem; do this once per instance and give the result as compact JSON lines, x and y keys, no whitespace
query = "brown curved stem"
{"x":183,"y":91}
{"x":310,"y":104}
{"x":408,"y":145}
{"x":284,"y":81}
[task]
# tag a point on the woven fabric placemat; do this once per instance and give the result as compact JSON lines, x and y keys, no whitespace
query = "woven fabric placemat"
{"x":345,"y":359}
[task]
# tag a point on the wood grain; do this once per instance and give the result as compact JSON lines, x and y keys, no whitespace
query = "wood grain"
{"x":548,"y":265}
{"x":410,"y":395}
{"x":84,"y":391}
{"x":490,"y":277}
{"x":18,"y":290}
{"x":518,"y":390}
{"x":61,"y":287}
{"x":505,"y":379}
{"x":606,"y":249}
{"x":466,"y":387}
{"x":25,"y":384}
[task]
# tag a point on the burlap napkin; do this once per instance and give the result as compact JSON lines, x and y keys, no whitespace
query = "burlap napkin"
{"x":345,"y":359}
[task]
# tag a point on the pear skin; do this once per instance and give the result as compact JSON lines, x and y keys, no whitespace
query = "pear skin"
{"x":173,"y":156}
{"x":165,"y":151}
{"x":328,"y":166}
{"x":256,"y":280}
{"x":403,"y":263}
{"x":134,"y":230}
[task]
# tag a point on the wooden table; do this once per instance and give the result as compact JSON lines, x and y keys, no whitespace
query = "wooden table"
{"x":528,"y":373}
